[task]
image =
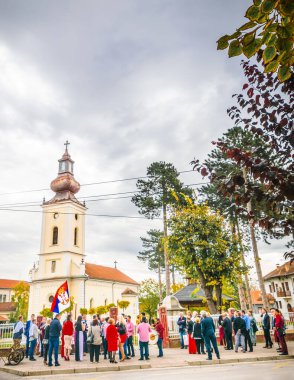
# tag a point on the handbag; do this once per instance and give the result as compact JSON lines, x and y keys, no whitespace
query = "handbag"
{"x":186,"y":341}
{"x":90,"y":338}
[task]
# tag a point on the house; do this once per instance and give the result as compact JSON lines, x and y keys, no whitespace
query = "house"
{"x":7,"y":306}
{"x":280,"y":284}
{"x":257,"y":301}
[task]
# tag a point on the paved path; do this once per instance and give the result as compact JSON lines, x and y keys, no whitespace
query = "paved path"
{"x":274,"y":370}
{"x":172,"y":358}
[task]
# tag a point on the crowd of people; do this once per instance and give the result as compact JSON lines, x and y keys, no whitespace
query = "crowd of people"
{"x":106,"y":336}
{"x":100,"y":336}
{"x":198,"y":330}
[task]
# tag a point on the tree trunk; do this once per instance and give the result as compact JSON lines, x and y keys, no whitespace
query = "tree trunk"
{"x":218,"y":294}
{"x":159,"y":282}
{"x":173,"y":276}
{"x":241,"y":295}
{"x":255,"y":249}
{"x":247,"y":286}
{"x":165,"y":250}
{"x":208,"y":291}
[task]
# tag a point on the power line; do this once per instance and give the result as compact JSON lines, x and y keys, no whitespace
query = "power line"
{"x":88,"y":198}
{"x":89,"y":184}
{"x":72,"y":213}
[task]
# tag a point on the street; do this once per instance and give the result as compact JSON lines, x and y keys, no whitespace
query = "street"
{"x":275,"y":370}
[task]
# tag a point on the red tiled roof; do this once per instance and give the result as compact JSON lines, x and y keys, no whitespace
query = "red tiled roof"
{"x":100,"y":272}
{"x":7,"y":306}
{"x":256,"y":297}
{"x":3,"y":318}
{"x":9,"y":284}
{"x":282,"y":270}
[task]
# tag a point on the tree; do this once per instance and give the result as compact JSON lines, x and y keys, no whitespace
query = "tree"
{"x":149,"y":297}
{"x":155,"y":196}
{"x":123,"y":304}
{"x":92,"y":310}
{"x":21,"y":300}
{"x":83,"y":310}
{"x":204,"y":249}
{"x":154,"y":254}
{"x":101,"y":310}
{"x":269,"y":35}
{"x":46,"y":312}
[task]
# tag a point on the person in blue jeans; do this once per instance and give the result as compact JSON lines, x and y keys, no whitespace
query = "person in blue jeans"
{"x":160,"y":330}
{"x":208,"y":333}
{"x":27,"y":334}
{"x":33,"y":338}
{"x":54,"y":334}
{"x":182,"y":328}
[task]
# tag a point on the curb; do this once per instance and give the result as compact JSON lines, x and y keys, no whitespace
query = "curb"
{"x":243,"y":360}
{"x":67,"y":371}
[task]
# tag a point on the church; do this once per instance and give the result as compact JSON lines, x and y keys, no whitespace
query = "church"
{"x":62,"y":255}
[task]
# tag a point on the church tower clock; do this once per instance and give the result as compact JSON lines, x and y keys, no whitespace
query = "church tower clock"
{"x":62,"y":251}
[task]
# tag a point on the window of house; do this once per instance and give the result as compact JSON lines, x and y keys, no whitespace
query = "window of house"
{"x":280,"y":304}
{"x":55,"y":236}
{"x":0,"y":297}
{"x":270,"y":288}
{"x":286,"y":285}
{"x":4,"y":297}
{"x":76,"y":237}
{"x":53,"y":266}
{"x":276,"y":287}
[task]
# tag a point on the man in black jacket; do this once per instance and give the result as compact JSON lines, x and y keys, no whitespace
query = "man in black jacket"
{"x":182,"y":328}
{"x":266,"y":325}
{"x":239,"y":327}
{"x":228,"y":329}
{"x":54,"y":334}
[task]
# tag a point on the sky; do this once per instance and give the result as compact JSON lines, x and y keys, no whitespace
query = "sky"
{"x":128,"y":83}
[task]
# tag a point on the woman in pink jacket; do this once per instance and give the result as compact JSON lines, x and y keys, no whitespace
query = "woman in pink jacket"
{"x":143,"y":330}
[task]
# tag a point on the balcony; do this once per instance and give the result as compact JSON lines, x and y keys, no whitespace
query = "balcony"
{"x":284,"y":293}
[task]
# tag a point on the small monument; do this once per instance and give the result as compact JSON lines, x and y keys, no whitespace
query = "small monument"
{"x":173,"y":308}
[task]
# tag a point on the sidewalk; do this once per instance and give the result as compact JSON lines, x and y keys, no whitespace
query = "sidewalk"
{"x":173,"y":357}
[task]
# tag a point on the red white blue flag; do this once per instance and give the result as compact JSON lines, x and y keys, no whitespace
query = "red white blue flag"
{"x":61,"y":300}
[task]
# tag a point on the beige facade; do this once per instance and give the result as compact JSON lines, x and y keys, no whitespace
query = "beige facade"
{"x":62,"y":255}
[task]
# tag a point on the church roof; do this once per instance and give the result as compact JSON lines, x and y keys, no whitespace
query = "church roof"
{"x":9,"y":284}
{"x":281,"y":271}
{"x":100,"y":272}
{"x":129,"y":291}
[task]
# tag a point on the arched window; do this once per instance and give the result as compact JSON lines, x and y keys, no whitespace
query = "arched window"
{"x":76,"y":237}
{"x":91,"y":303}
{"x":55,"y":236}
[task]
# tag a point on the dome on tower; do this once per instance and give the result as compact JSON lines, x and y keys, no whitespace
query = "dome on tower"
{"x":65,"y":185}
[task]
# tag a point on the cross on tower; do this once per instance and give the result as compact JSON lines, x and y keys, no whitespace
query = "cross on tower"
{"x":66,"y":144}
{"x":115,"y":264}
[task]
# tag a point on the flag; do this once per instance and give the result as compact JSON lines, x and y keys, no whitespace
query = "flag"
{"x":61,"y":300}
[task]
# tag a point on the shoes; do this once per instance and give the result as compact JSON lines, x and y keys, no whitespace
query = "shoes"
{"x":265,"y":347}
{"x":50,"y":365}
{"x":284,"y":353}
{"x":133,"y":356}
{"x":218,"y":357}
{"x":141,"y":359}
{"x":128,"y":358}
{"x":159,"y":356}
{"x":182,"y":348}
{"x":208,"y":358}
{"x":147,"y":358}
{"x":251,"y":351}
{"x":33,"y":359}
{"x":114,"y":361}
{"x":57,"y":364}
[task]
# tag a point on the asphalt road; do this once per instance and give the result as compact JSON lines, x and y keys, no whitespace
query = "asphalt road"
{"x":275,"y":370}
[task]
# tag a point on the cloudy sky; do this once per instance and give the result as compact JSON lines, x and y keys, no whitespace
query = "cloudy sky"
{"x":127,"y":82}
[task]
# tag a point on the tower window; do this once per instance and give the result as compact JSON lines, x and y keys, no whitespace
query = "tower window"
{"x":76,"y":216}
{"x":53,"y":266}
{"x":55,"y":236}
{"x":76,"y":237}
{"x":51,"y":298}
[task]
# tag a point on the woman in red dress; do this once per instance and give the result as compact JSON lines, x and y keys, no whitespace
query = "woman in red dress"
{"x":112,"y":340}
{"x":191,"y":340}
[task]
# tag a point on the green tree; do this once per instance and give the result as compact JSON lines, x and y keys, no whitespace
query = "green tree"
{"x":155,"y":195}
{"x":21,"y":300}
{"x":203,"y":247}
{"x":123,"y":304}
{"x":154,"y":254}
{"x":46,"y":312}
{"x":101,"y":310}
{"x":149,"y":297}
{"x":83,"y":310}
{"x":268,"y":34}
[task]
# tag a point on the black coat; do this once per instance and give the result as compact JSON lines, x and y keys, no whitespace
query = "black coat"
{"x":207,"y":326}
{"x":266,"y":324}
{"x":239,"y":324}
{"x":197,"y":331}
{"x":227,"y":325}
{"x":190,"y":327}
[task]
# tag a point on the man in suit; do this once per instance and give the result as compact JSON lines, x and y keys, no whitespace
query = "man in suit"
{"x":239,"y":327}
{"x":228,"y":329}
{"x":208,"y":332}
{"x":247,"y":333}
{"x":266,"y":325}
{"x":27,"y":334}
